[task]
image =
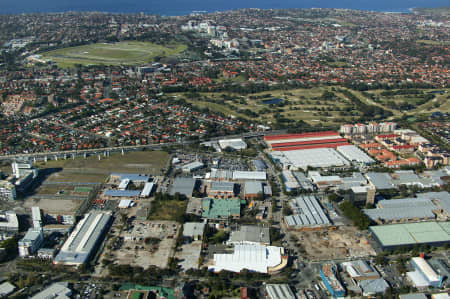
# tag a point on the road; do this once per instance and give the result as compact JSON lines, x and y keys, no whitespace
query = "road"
{"x":60,"y":154}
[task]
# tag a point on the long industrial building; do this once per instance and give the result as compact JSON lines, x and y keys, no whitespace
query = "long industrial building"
{"x":249,"y":175}
{"x":287,"y":141}
{"x":301,"y":159}
{"x":37,"y":217}
{"x":295,"y":145}
{"x":321,"y":149}
{"x":393,"y":236}
{"x":303,"y":141}
{"x":426,"y":206}
{"x":85,"y":238}
{"x":237,"y":175}
{"x":307,"y":214}
{"x":424,"y":275}
{"x":397,"y":210}
{"x":279,"y":291}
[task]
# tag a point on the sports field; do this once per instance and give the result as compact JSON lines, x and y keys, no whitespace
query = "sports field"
{"x":121,"y":53}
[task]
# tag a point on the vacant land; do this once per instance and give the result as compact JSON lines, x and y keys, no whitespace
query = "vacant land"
{"x":121,"y":53}
{"x":135,"y":251}
{"x":167,"y":209}
{"x":97,"y":171}
{"x":346,"y":241}
{"x":54,"y":206}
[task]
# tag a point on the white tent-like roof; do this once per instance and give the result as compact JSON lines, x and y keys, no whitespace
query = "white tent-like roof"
{"x":125,"y":204}
{"x":253,"y":257}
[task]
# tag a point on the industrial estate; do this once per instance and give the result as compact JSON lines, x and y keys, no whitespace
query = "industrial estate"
{"x":301,"y":201}
{"x":275,"y":154}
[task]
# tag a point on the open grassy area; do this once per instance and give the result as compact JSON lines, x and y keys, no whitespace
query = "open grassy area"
{"x":167,"y":209}
{"x":121,"y":53}
{"x":298,"y":104}
{"x":418,"y":102}
{"x":432,"y":42}
{"x":93,"y":170}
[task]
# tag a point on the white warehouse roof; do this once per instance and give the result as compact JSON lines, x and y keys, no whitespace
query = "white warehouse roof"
{"x":426,"y":269}
{"x":79,"y":246}
{"x":236,"y":144}
{"x":124,"y":184}
{"x":148,"y":187}
{"x":249,"y":175}
{"x":256,"y":258}
{"x":317,"y":157}
{"x":125,"y":203}
{"x":352,"y":153}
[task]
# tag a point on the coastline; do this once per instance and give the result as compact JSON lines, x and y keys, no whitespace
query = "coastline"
{"x":187,"y":12}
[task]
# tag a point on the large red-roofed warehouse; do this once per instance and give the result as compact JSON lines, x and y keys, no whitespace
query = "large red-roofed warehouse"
{"x":286,"y":142}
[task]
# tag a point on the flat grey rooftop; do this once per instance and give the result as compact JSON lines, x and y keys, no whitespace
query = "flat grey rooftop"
{"x":222,"y":186}
{"x":380,"y":180}
{"x":182,"y":185}
{"x":250,"y":234}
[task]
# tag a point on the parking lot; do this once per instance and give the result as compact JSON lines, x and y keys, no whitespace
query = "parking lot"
{"x":189,"y":255}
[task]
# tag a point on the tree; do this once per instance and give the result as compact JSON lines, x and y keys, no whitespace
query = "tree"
{"x":274,"y":234}
{"x":287,"y":211}
{"x":355,"y":214}
{"x":380,"y":259}
{"x":334,"y":197}
{"x":10,"y":246}
{"x":219,"y":237}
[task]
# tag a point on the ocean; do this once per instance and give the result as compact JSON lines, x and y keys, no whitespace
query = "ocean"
{"x":183,"y":7}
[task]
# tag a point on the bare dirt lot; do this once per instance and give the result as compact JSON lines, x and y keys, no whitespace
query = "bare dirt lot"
{"x":54,"y":206}
{"x":346,"y":241}
{"x":138,"y":250}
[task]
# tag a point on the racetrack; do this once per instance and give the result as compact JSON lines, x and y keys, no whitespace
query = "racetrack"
{"x":121,"y":53}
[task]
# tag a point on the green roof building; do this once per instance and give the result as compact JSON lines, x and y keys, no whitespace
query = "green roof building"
{"x":221,"y":209}
{"x":161,"y":291}
{"x":410,"y":234}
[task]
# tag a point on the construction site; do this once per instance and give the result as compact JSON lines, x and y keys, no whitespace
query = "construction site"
{"x":145,"y":243}
{"x":343,"y":242}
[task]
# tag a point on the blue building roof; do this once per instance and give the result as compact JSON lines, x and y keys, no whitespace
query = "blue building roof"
{"x":122,"y":193}
{"x":259,"y":165}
